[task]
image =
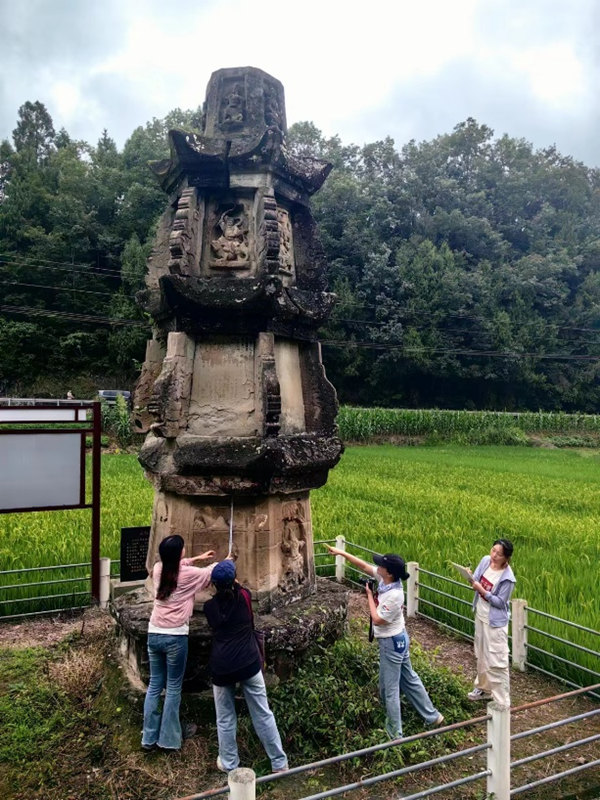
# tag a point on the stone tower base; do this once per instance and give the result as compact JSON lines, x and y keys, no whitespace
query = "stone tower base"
{"x":290,"y":632}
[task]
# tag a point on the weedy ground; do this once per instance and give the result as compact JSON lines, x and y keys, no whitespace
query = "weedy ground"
{"x":71,"y":722}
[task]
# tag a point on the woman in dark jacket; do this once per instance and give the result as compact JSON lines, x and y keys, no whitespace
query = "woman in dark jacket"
{"x":234,"y":659}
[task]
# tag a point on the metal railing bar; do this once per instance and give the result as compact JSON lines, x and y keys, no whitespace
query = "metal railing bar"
{"x":39,"y":613}
{"x":350,"y":568}
{"x":41,"y":597}
{"x":564,"y":621}
{"x":364,"y":549}
{"x":554,"y":751}
{"x":445,"y":610}
{"x":442,"y":787}
{"x":564,"y":641}
{"x":446,"y":594}
{"x":40,"y":569}
{"x":397,"y":773}
{"x":563,"y":660}
{"x":552,"y":778}
{"x":443,"y":578}
{"x":445,"y":625}
{"x":555,"y":699}
{"x":551,"y":725}
{"x":354,"y":754}
{"x":557,"y":677}
{"x":44,"y":583}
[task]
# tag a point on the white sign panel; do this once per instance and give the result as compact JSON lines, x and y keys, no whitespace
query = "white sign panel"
{"x":39,"y":470}
{"x":42,"y":414}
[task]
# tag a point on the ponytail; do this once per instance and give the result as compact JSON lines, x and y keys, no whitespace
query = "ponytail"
{"x":170,"y":550}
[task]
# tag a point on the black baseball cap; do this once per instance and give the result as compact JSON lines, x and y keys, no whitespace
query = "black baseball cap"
{"x":394,"y":564}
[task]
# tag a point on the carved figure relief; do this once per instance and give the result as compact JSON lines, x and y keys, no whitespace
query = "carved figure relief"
{"x":286,"y":253}
{"x":272,"y":110}
{"x":233,"y":108}
{"x":210,"y":530}
{"x":230,"y":245}
{"x":293,"y":546}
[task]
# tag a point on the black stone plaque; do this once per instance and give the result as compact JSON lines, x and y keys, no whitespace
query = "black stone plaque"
{"x":134,"y":549}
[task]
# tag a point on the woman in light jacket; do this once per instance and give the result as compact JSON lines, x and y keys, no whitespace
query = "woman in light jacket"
{"x":493,"y":582}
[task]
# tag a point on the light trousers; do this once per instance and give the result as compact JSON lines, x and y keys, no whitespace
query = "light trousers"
{"x":262,"y":717}
{"x":491,"y":652}
{"x":396,"y":676}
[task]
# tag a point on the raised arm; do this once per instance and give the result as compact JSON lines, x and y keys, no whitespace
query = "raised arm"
{"x":354,"y":560}
{"x":202,"y":556}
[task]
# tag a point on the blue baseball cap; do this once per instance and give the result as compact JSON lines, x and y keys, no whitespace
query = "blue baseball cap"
{"x":223,"y":572}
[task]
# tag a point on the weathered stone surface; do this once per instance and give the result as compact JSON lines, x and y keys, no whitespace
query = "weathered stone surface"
{"x":290,"y":632}
{"x":240,"y":407}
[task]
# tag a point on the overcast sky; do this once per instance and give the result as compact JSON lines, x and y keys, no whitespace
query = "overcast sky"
{"x":410,"y":70}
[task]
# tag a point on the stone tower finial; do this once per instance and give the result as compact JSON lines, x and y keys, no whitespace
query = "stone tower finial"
{"x":243,"y":101}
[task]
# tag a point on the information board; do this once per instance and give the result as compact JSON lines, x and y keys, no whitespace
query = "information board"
{"x":134,"y":549}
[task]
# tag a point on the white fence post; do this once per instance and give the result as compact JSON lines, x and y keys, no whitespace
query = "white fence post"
{"x":242,"y":784}
{"x":412,"y":589}
{"x":498,"y":755}
{"x":104,"y":582}
{"x":340,"y":561}
{"x":519,"y":634}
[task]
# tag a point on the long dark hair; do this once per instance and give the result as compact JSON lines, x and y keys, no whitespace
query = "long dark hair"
{"x":170,"y":550}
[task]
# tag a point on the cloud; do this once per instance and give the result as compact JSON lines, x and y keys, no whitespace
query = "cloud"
{"x":410,"y":70}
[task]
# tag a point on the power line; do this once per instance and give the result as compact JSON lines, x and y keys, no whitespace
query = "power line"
{"x":90,"y":269}
{"x":88,"y":318}
{"x":11,"y":256}
{"x":469,"y":353}
{"x":63,"y":288}
{"x":455,"y":315}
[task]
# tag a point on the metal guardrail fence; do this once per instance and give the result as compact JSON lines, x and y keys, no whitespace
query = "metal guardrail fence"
{"x":16,"y":596}
{"x":242,"y":783}
{"x":445,"y":607}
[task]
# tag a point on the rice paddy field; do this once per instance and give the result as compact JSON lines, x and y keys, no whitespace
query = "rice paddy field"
{"x":431,"y":504}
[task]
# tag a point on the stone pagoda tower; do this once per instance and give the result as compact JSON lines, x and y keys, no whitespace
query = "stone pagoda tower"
{"x":233,"y":395}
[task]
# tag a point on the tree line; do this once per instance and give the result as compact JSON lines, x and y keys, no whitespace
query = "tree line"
{"x":467,"y":268}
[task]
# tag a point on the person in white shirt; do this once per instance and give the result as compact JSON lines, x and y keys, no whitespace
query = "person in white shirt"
{"x":396,"y":674}
{"x":493,"y":582}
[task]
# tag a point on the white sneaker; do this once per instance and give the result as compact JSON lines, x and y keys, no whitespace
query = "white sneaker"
{"x":439,"y":721}
{"x":220,"y":765}
{"x":479,"y":694}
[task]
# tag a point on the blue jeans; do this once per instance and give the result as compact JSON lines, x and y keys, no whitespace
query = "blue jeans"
{"x":396,"y":675}
{"x":167,"y":655}
{"x":262,"y":719}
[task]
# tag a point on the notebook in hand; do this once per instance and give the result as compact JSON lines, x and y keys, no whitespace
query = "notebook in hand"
{"x":463,"y":571}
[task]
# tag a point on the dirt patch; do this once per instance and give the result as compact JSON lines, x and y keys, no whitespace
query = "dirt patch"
{"x":48,"y":631}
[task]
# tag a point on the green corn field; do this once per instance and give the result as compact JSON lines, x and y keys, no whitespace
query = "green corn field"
{"x":366,"y":424}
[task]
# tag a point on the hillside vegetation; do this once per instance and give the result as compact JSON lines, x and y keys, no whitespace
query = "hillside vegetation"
{"x":466,"y":267}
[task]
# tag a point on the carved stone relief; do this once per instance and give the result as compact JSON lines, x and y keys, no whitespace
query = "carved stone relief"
{"x":293,"y":545}
{"x":269,"y":234}
{"x":184,"y":239}
{"x":286,"y":252}
{"x":210,"y":531}
{"x":230,"y":244}
{"x":232,"y":111}
{"x":273,"y":116}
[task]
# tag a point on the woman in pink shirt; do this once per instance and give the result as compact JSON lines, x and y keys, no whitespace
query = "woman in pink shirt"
{"x":177,"y":582}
